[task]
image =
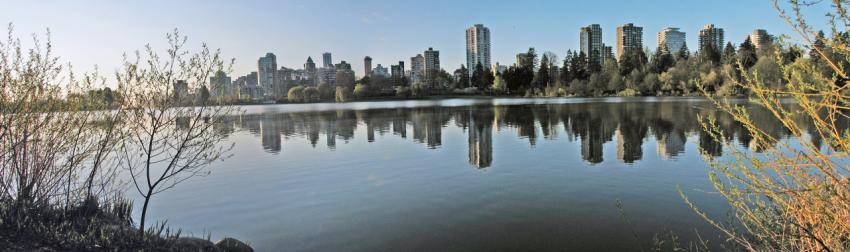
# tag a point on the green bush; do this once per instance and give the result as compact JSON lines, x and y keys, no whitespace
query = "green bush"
{"x":311,"y":94}
{"x":295,"y":94}
{"x":343,"y":94}
{"x":325,"y":91}
{"x":361,"y":91}
{"x":628,"y":92}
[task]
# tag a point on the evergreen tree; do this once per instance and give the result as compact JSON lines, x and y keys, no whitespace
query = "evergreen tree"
{"x":729,"y":56}
{"x":518,"y":78}
{"x":489,"y":78}
{"x":578,"y":66}
{"x":662,"y":60}
{"x":631,"y":60}
{"x":541,"y":80}
{"x":463,"y":81}
{"x":479,"y":80}
{"x":532,"y":57}
{"x":683,"y":53}
{"x":709,"y":53}
{"x":747,"y":54}
{"x":566,"y":74}
{"x":818,"y":44}
{"x":791,"y":54}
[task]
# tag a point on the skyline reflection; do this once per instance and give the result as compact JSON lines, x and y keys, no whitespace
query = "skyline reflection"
{"x":628,"y":125}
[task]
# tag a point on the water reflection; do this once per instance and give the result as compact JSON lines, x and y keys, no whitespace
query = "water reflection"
{"x":629,"y":124}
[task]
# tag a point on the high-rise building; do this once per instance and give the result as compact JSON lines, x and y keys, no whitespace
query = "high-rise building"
{"x":343,"y":65}
{"x":327,"y":76}
{"x":591,"y":42}
{"x":344,"y":74}
{"x":417,"y":67}
{"x":672,"y":39}
{"x":432,"y":66}
{"x":629,"y":37}
{"x":761,"y":39}
{"x":711,"y":36}
{"x":397,"y":70}
{"x":310,"y":69}
{"x":367,"y":66}
{"x":267,"y":68}
{"x":380,"y":71}
{"x":326,"y":60}
{"x":607,"y":53}
{"x":220,"y":85}
{"x":524,"y":60}
{"x":477,"y":47}
{"x":432,"y":60}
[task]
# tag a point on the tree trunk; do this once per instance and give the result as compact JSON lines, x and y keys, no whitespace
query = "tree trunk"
{"x":144,"y":213}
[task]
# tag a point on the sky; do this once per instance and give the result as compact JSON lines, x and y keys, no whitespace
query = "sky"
{"x":88,"y":33}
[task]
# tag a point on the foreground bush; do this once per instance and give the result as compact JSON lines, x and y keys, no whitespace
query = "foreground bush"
{"x":791,"y":194}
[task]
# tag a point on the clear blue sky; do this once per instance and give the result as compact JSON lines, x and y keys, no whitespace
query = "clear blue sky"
{"x":98,"y":32}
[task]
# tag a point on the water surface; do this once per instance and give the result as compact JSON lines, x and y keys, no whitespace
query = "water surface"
{"x":458,"y":175}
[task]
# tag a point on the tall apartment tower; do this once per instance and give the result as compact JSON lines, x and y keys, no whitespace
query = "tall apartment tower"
{"x":711,"y":36}
{"x":672,"y":38}
{"x":432,"y":60}
{"x":591,"y":42}
{"x":432,"y":66}
{"x":397,"y":71}
{"x":761,"y":39}
{"x":267,"y":67}
{"x":220,"y":85}
{"x":367,"y":66}
{"x":310,"y":69}
{"x":417,"y":67}
{"x":326,"y":60}
{"x":477,"y":47}
{"x":629,"y":37}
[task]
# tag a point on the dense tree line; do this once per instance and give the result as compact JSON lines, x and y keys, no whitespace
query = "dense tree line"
{"x":658,"y":72}
{"x":662,"y":72}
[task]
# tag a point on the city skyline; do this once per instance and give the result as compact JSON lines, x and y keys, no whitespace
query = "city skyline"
{"x":354,"y":31}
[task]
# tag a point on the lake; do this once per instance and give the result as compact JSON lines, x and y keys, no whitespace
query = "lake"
{"x":458,"y":175}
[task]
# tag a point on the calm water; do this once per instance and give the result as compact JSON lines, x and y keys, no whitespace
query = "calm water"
{"x":457,"y":175}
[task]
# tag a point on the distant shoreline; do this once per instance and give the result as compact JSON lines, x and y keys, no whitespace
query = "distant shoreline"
{"x":444,"y":97}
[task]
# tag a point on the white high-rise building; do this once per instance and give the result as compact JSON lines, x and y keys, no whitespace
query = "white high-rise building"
{"x":477,"y":47}
{"x":267,"y":67}
{"x":672,"y":38}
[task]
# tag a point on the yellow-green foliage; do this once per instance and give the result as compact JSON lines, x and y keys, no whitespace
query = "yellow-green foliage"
{"x":343,"y":94}
{"x":627,"y":93}
{"x":790,"y":194}
{"x":361,"y":91}
{"x":295,"y":94}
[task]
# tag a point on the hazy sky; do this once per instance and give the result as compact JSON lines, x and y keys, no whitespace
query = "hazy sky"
{"x":98,"y":32}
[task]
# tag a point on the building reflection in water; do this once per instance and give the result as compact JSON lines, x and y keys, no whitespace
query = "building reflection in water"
{"x":630,"y":125}
{"x":481,"y":137}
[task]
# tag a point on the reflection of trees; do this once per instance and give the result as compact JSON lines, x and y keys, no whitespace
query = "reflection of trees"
{"x":593,"y":124}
